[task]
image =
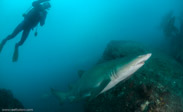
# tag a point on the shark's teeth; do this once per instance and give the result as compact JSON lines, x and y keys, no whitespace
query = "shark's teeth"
{"x":143,"y":62}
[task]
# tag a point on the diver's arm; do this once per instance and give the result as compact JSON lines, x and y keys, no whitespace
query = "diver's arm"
{"x":43,"y":18}
{"x":37,"y":3}
{"x":41,"y":1}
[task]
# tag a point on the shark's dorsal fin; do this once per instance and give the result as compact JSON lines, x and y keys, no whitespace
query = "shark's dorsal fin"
{"x":80,"y":73}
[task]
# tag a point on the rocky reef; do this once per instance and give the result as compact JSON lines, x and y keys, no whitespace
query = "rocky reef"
{"x":156,"y":87}
{"x":117,"y":49}
{"x":7,"y":100}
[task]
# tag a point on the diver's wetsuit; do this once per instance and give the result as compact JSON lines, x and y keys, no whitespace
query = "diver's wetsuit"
{"x":36,"y":15}
{"x":31,"y":19}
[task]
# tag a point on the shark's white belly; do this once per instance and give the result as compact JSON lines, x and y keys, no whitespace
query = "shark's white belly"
{"x":116,"y":78}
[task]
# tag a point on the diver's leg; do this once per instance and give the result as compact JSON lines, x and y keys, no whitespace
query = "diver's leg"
{"x":24,"y":37}
{"x":15,"y":32}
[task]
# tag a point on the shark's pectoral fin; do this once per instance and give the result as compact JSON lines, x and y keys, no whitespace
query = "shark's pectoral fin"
{"x":96,"y":91}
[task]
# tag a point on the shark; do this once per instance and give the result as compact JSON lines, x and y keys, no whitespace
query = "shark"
{"x":101,"y":78}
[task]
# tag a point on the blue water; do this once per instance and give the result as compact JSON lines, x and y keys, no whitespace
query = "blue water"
{"x":74,"y":37}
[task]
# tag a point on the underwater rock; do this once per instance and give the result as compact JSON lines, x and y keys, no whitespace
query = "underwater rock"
{"x":122,"y":48}
{"x":156,"y":87}
{"x":7,"y":101}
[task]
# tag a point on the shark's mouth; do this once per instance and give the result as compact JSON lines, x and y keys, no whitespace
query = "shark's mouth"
{"x":142,"y":62}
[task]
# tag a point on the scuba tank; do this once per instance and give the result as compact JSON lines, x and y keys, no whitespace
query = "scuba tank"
{"x":24,"y":15}
{"x":28,"y":10}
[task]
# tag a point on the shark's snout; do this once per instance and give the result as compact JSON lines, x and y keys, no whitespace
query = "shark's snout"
{"x":146,"y":57}
{"x":143,"y":59}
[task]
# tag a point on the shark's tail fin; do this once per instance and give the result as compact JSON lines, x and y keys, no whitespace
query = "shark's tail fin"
{"x":61,"y":96}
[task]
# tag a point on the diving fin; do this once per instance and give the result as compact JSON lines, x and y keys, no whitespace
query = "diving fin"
{"x":15,"y":55}
{"x":2,"y":45}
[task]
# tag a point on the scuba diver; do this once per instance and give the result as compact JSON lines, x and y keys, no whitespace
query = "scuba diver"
{"x":31,"y":19}
{"x":170,"y":29}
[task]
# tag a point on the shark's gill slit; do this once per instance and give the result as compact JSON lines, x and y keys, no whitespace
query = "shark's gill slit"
{"x":114,"y":74}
